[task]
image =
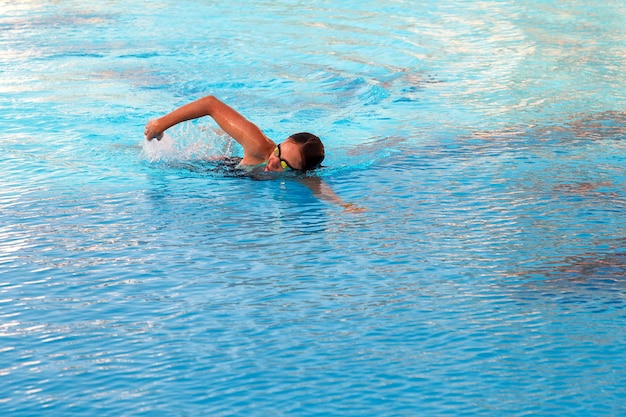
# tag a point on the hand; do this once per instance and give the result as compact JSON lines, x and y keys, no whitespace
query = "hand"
{"x":352,"y":208}
{"x":153,"y":131}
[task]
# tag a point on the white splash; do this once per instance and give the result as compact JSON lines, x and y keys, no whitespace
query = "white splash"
{"x":159,"y":150}
{"x":185,"y":143}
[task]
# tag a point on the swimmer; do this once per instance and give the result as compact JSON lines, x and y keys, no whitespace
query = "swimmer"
{"x":300,"y":152}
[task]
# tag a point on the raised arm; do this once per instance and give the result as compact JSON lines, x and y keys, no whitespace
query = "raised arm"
{"x":256,"y":146}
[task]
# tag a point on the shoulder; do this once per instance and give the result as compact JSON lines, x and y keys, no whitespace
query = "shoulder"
{"x":259,"y":153}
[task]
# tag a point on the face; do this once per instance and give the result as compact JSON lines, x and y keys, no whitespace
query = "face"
{"x":284,"y":158}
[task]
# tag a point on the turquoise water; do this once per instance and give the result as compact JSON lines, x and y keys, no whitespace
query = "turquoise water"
{"x":484,"y":139}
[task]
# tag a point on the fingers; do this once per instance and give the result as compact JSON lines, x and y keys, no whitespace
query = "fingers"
{"x":353,"y":208}
{"x":147,"y":132}
{"x":151,"y":133}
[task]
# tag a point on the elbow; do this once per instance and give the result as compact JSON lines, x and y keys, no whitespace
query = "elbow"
{"x":209,"y":104}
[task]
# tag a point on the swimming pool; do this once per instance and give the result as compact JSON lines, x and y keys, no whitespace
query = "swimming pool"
{"x":484,"y":139}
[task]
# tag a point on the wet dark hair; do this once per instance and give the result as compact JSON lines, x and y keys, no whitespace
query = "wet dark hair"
{"x":311,"y":150}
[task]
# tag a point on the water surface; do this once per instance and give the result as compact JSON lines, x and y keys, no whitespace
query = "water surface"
{"x":486,"y":276}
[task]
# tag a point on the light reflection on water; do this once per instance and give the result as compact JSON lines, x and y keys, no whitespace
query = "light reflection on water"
{"x":485,"y":276}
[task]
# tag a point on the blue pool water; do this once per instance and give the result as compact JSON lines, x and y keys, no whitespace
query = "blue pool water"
{"x":486,"y":276}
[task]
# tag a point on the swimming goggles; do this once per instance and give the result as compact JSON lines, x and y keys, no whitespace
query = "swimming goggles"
{"x":283,"y":164}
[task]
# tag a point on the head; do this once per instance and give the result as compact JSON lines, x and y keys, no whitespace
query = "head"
{"x":301,"y":151}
